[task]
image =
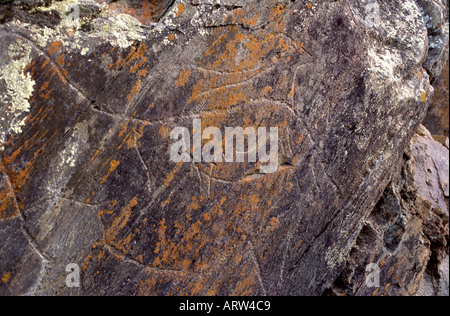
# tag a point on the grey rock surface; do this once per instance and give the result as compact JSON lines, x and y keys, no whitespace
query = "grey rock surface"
{"x":88,"y":104}
{"x":406,"y":236}
{"x":435,"y":14}
{"x":436,"y":287}
{"x":437,"y":119}
{"x":432,"y":171}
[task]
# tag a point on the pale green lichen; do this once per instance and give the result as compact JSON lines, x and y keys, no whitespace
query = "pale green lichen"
{"x":120,"y":31}
{"x":84,"y":51}
{"x":19,"y":88}
{"x":334,"y":257}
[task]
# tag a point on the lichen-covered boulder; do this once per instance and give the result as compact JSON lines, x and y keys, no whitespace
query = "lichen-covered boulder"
{"x":91,"y":90}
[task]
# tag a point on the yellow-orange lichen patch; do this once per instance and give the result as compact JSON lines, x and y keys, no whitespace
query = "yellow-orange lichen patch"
{"x":166,"y":202}
{"x":164,"y":131}
{"x":254,"y":19}
{"x":7,"y":197}
{"x":300,"y":50}
{"x":54,"y":48}
{"x":134,"y":135}
{"x":180,"y":9}
{"x":6,"y":277}
{"x":266,"y":90}
{"x":274,"y":223}
{"x":423,"y":96}
{"x":19,"y":178}
{"x":136,"y":61}
{"x":60,"y":61}
{"x":95,"y":156}
{"x":145,"y":11}
{"x":137,"y":54}
{"x":162,"y":241}
{"x":119,"y":223}
{"x":420,"y":73}
{"x":183,"y":79}
{"x":113,"y":166}
{"x":134,"y":90}
{"x":233,"y":59}
{"x":171,"y":175}
{"x":207,"y":217}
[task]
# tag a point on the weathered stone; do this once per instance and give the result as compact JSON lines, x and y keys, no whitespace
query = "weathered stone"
{"x":435,"y":14}
{"x":436,"y":287}
{"x":407,"y":234}
{"x":85,"y":173}
{"x":432,"y":171}
{"x":437,"y":119}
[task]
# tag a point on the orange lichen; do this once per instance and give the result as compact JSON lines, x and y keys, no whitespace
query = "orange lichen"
{"x":7,"y":198}
{"x":113,"y":166}
{"x":137,"y":55}
{"x":54,"y":48}
{"x":274,"y":223}
{"x":183,"y":79}
{"x":95,"y":156}
{"x":420,"y":73}
{"x":207,"y":217}
{"x":234,"y":58}
{"x":300,"y":50}
{"x":166,"y":202}
{"x":119,"y":223}
{"x":134,"y":90}
{"x":134,"y":135}
{"x":171,"y":175}
{"x":266,"y":90}
{"x":423,"y":96}
{"x":101,"y":255}
{"x":180,"y":9}
{"x":19,"y":178}
{"x":145,"y":11}
{"x":164,"y":132}
{"x":283,"y":45}
{"x":162,"y":241}
{"x":253,"y":20}
{"x":60,"y":61}
{"x":6,"y":277}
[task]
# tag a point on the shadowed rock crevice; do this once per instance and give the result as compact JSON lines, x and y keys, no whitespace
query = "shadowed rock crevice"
{"x":407,"y":232}
{"x":88,"y":105}
{"x":435,"y":15}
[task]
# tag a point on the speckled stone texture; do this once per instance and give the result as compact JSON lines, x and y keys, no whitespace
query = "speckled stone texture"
{"x":437,"y":119}
{"x":85,"y":174}
{"x":407,"y":234}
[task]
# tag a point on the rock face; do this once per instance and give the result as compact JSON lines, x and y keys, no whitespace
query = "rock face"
{"x":407,"y":234}
{"x":437,"y":119}
{"x":435,"y":17}
{"x":90,"y":91}
{"x":435,"y":14}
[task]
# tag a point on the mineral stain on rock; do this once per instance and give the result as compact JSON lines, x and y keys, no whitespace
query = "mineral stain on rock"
{"x":90,"y":90}
{"x":146,"y":11}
